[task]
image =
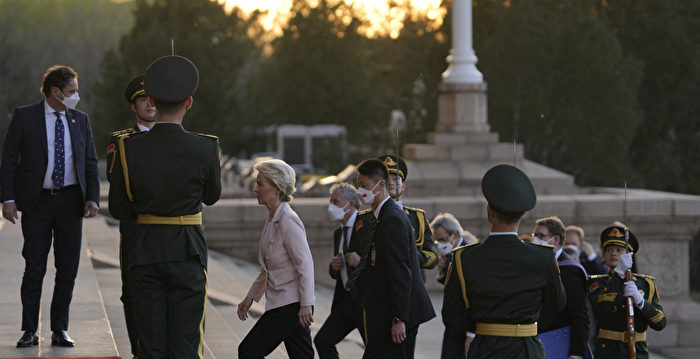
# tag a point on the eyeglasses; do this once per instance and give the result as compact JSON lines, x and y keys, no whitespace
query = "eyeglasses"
{"x":541,"y":235}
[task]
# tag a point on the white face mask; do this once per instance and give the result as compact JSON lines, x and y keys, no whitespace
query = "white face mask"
{"x":335,"y":213}
{"x":70,"y":102}
{"x":444,"y":248}
{"x":366,"y":195}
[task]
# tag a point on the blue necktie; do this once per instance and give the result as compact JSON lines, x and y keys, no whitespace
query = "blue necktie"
{"x":59,"y":168}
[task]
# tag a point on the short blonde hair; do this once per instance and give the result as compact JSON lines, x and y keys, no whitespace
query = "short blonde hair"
{"x":280,"y":174}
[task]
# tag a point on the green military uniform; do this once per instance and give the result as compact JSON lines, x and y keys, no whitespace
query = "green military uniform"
{"x":127,"y":226}
{"x":161,"y":178}
{"x":501,"y":281}
{"x":427,"y":248}
{"x":496,"y":288}
{"x":609,"y":303}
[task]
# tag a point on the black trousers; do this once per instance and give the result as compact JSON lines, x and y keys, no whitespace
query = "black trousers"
{"x":384,"y":347}
{"x":169,"y":307}
{"x":344,"y":318}
{"x":58,"y":216}
{"x":127,"y":228}
{"x":274,"y":327}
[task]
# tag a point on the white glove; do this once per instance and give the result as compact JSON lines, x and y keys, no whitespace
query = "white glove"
{"x":624,"y":264}
{"x":632,"y":291}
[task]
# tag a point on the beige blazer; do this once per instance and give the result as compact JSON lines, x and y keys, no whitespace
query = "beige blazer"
{"x":286,"y":267}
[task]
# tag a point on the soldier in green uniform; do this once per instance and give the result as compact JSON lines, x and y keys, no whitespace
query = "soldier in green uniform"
{"x":427,"y":248}
{"x":496,"y":288}
{"x":145,"y":119}
{"x":161,"y":178}
{"x":607,"y":294}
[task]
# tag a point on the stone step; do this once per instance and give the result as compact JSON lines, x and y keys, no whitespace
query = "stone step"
{"x":89,"y":324}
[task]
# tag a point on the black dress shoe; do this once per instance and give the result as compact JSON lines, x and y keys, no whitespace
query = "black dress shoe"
{"x":61,"y":338}
{"x":28,"y":339}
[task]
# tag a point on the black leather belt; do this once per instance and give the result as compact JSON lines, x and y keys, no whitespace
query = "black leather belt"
{"x":54,"y":191}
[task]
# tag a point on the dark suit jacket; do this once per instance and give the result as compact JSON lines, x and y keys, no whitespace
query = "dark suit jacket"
{"x":575,"y":313}
{"x":359,"y":239}
{"x":25,"y":156}
{"x":391,"y":285}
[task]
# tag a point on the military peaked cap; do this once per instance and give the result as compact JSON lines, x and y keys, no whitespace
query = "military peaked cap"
{"x":508,"y":189}
{"x":615,"y":236}
{"x":171,"y":79}
{"x":396,"y":165}
{"x":134,"y":89}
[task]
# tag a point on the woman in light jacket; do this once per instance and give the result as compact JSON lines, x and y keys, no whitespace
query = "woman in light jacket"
{"x":286,"y":271}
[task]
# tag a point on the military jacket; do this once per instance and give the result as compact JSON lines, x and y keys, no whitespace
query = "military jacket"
{"x":427,"y":249}
{"x":167,"y":172}
{"x":501,"y":280}
{"x":112,"y":146}
{"x":606,"y":293}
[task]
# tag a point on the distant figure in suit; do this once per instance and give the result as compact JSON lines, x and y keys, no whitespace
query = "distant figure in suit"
{"x":286,"y":271}
{"x":393,"y":296}
{"x":350,"y":241}
{"x":550,"y":231}
{"x":587,"y":255}
{"x":49,"y":173}
{"x":145,"y":112}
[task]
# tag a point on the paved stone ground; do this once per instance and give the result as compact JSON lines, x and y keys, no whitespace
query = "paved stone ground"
{"x":97,"y":319}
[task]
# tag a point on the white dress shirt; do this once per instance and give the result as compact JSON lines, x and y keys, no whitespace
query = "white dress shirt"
{"x":50,"y":121}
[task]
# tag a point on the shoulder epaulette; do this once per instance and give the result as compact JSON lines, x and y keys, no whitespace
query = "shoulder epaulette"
{"x":414,"y":209}
{"x":365,"y":211}
{"x":461,"y":248}
{"x":644,"y":276}
{"x":125,"y":131}
{"x":599,"y":276}
{"x":540,"y":245}
{"x":206,"y":135}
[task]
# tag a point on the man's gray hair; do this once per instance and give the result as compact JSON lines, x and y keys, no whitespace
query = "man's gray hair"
{"x":348,"y":192}
{"x":448,"y":222}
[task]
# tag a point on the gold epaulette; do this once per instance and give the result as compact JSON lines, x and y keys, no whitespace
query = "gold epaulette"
{"x":599,"y":276}
{"x":414,"y":209}
{"x":365,"y":211}
{"x":460,"y":248}
{"x":125,"y":131}
{"x":643,"y":276}
{"x":205,"y":135}
{"x":541,"y":245}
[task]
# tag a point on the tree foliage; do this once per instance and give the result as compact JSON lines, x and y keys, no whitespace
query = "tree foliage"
{"x":664,"y":36}
{"x":559,"y":82}
{"x":217,"y":43}
{"x":37,"y":34}
{"x":602,"y":89}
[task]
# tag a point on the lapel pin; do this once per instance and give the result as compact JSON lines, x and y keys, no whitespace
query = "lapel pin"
{"x":72,"y":121}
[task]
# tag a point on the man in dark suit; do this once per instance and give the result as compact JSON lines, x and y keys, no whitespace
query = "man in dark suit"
{"x":161,"y":178}
{"x":495,"y":288}
{"x":145,"y":113}
{"x":393,"y":297}
{"x":550,"y":231}
{"x":349,"y":242}
{"x":49,"y":173}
